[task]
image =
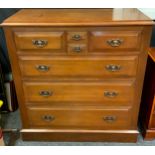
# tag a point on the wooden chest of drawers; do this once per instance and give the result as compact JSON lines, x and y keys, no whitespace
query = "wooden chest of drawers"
{"x":78,"y":72}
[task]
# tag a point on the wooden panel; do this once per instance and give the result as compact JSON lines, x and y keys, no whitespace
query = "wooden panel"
{"x":153,"y":108}
{"x":147,"y":116}
{"x":78,"y":67}
{"x":101,"y":41}
{"x":149,"y":134}
{"x":77,"y":17}
{"x":141,"y":72}
{"x":77,"y":49}
{"x":50,"y":96}
{"x":152,"y":121}
{"x":80,"y":92}
{"x":152,"y":53}
{"x":80,"y":135}
{"x":77,"y":37}
{"x":51,"y":40}
{"x":78,"y":117}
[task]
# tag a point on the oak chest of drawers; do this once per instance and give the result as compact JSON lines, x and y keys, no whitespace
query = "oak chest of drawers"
{"x":78,"y":72}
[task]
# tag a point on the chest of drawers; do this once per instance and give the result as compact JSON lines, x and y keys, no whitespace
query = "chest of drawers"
{"x":78,"y":72}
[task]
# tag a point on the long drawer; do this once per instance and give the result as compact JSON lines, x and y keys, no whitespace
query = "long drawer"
{"x":89,"y":67}
{"x":78,"y":118}
{"x":109,"y":92}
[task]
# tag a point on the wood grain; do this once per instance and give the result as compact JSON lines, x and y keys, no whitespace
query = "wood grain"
{"x":80,"y":92}
{"x":77,"y":17}
{"x":75,"y":84}
{"x":79,"y":118}
{"x":80,"y":135}
{"x":84,"y":67}
{"x":129,"y":40}
{"x":24,"y":40}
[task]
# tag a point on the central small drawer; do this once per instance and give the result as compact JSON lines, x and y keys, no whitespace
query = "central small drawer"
{"x":85,"y":92}
{"x":77,"y":37}
{"x":80,"y":117}
{"x":88,"y":67}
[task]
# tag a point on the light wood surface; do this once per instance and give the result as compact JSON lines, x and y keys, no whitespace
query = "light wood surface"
{"x":80,"y":135}
{"x":82,"y":117}
{"x":78,"y":92}
{"x":77,"y":17}
{"x":24,"y":40}
{"x":78,"y":66}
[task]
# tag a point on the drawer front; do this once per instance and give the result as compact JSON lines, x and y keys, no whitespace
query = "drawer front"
{"x":96,"y":92}
{"x":84,"y":118}
{"x":89,"y":67}
{"x":39,"y":40}
{"x":114,"y":40}
{"x":77,"y":49}
{"x":77,"y":37}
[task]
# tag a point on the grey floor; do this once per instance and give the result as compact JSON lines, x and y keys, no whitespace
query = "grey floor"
{"x":12,"y":120}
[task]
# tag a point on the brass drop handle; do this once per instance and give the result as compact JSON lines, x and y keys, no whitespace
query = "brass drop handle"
{"x":115,"y":42}
{"x":77,"y":49}
{"x":48,"y":118}
{"x":45,"y":93}
{"x":40,"y":43}
{"x":42,"y":68}
{"x":109,"y":119}
{"x":113,"y":68}
{"x":76,"y":37}
{"x":110,"y":94}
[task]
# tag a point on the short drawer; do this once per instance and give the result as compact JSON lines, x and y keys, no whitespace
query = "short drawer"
{"x":77,"y":49}
{"x":77,"y":37}
{"x":107,"y":92}
{"x":88,"y":67}
{"x":39,"y":40}
{"x":102,"y":41}
{"x":79,"y":118}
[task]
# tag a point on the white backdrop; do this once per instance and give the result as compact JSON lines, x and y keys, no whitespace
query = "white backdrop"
{"x":149,"y":12}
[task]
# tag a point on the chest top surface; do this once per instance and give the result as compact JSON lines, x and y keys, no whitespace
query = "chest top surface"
{"x":77,"y":17}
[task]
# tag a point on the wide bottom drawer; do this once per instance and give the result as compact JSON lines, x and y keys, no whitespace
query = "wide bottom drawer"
{"x":78,"y":118}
